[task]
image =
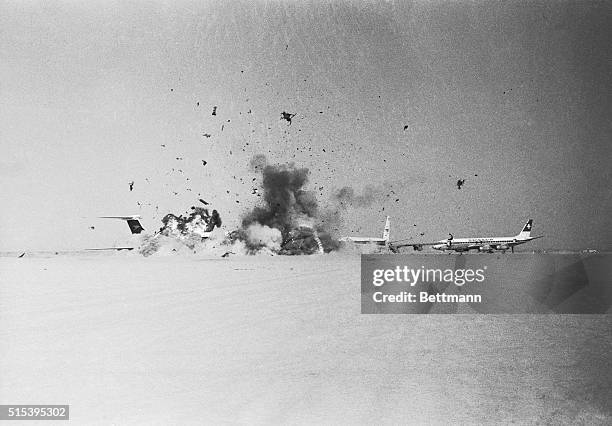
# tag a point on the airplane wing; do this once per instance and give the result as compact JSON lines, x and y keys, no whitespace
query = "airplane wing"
{"x":418,"y":246}
{"x":132,"y":221}
{"x":110,"y":248}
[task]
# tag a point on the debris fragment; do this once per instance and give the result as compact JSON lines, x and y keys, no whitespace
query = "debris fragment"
{"x":21,"y":255}
{"x":460,"y":183}
{"x":204,"y":162}
{"x":214,"y":111}
{"x":131,"y":185}
{"x":287,"y":116}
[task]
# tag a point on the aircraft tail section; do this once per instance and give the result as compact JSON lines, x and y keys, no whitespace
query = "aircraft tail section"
{"x":135,"y":226}
{"x":132,"y":221}
{"x":526,"y":232}
{"x":387,"y":230}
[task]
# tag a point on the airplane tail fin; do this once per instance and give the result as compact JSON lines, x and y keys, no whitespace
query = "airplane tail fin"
{"x":387,"y":230}
{"x":526,"y":232}
{"x":135,"y":226}
{"x":132,"y":221}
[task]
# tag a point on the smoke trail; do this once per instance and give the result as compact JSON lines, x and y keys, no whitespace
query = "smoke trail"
{"x":345,"y":197}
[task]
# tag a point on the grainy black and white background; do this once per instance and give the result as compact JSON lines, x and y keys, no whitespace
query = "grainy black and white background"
{"x":401,"y":99}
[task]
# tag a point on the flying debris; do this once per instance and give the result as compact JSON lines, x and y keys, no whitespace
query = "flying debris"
{"x":21,"y":255}
{"x":131,"y":185}
{"x":287,"y":116}
{"x":92,"y":227}
{"x":214,"y":111}
{"x":460,"y":183}
{"x":204,"y":162}
{"x":206,"y":135}
{"x":405,"y":127}
{"x":227,"y":253}
{"x":203,"y":202}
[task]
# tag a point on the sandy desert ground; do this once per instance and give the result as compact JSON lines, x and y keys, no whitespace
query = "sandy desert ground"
{"x":251,"y":340}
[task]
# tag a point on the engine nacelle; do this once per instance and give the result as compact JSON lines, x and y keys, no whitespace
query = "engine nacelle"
{"x":503,"y":247}
{"x":418,"y":247}
{"x":485,"y":247}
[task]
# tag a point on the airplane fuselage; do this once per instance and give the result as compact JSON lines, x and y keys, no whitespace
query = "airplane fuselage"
{"x":379,"y":241}
{"x":488,"y":244}
{"x":365,"y":240}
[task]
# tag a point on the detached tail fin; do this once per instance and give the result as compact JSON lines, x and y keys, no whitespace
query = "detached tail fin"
{"x":387,"y":230}
{"x":526,"y":232}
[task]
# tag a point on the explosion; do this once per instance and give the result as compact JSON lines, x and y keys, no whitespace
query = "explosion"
{"x":190,"y":230}
{"x":288,"y":222}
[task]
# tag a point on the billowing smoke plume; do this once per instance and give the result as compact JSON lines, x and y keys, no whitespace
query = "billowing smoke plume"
{"x":288,"y":222}
{"x":189,"y":230}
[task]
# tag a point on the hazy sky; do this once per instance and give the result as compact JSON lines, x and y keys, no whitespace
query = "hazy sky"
{"x":515,"y":92}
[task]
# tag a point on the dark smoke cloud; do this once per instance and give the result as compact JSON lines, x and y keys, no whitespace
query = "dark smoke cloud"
{"x":288,"y":222}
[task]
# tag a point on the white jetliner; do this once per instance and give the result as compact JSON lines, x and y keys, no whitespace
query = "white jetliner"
{"x":384,"y":241}
{"x":483,"y":244}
